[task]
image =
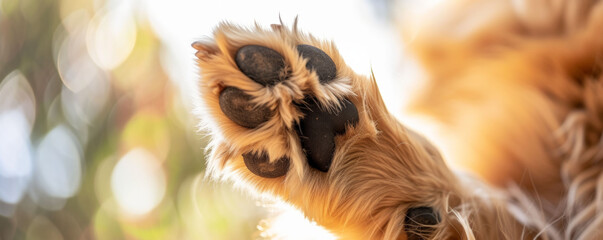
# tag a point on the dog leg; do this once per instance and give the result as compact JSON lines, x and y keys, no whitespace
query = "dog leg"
{"x":289,"y":118}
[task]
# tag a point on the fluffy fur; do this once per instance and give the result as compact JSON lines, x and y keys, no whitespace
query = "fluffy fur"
{"x":517,"y":85}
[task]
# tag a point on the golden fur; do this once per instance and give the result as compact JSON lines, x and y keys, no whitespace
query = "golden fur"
{"x":519,"y":91}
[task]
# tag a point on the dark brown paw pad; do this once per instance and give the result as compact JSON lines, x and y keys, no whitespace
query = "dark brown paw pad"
{"x":267,"y":67}
{"x":318,"y":128}
{"x":420,"y":222}
{"x":319,"y":62}
{"x":260,"y":165}
{"x":263,"y":65}
{"x":237,"y":106}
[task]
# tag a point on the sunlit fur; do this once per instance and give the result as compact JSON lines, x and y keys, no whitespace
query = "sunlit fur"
{"x":520,"y":90}
{"x":517,"y":86}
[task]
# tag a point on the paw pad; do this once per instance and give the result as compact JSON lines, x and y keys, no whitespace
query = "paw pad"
{"x":263,"y":65}
{"x":318,"y":128}
{"x":237,"y":106}
{"x":318,"y":61}
{"x":260,"y":165}
{"x":420,"y":222}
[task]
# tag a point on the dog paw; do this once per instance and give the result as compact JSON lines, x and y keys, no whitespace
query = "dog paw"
{"x":317,"y":126}
{"x":288,"y":117}
{"x":278,"y":100}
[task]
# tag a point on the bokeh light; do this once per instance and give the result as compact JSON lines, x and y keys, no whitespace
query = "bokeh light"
{"x":42,"y":228}
{"x":97,"y":139}
{"x":75,"y":66}
{"x":15,"y":156}
{"x":138,"y":182}
{"x":58,"y":163}
{"x":17,"y":114}
{"x":111,"y":37}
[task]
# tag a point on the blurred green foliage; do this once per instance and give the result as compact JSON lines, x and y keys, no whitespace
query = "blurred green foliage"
{"x":131,"y":105}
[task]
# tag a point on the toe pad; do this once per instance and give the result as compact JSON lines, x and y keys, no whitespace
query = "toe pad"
{"x":260,"y":165}
{"x":263,"y":65}
{"x":237,"y":106}
{"x":318,"y":61}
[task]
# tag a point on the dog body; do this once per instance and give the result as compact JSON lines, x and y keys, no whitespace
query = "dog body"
{"x":520,"y":96}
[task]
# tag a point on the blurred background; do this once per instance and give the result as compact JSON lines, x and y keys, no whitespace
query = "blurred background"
{"x":96,"y":136}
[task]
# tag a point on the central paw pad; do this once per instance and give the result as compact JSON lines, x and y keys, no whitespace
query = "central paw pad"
{"x":316,"y":130}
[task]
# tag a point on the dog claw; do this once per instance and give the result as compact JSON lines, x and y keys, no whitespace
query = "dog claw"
{"x":276,"y":27}
{"x":204,"y":49}
{"x":201,"y":54}
{"x":198,"y":45}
